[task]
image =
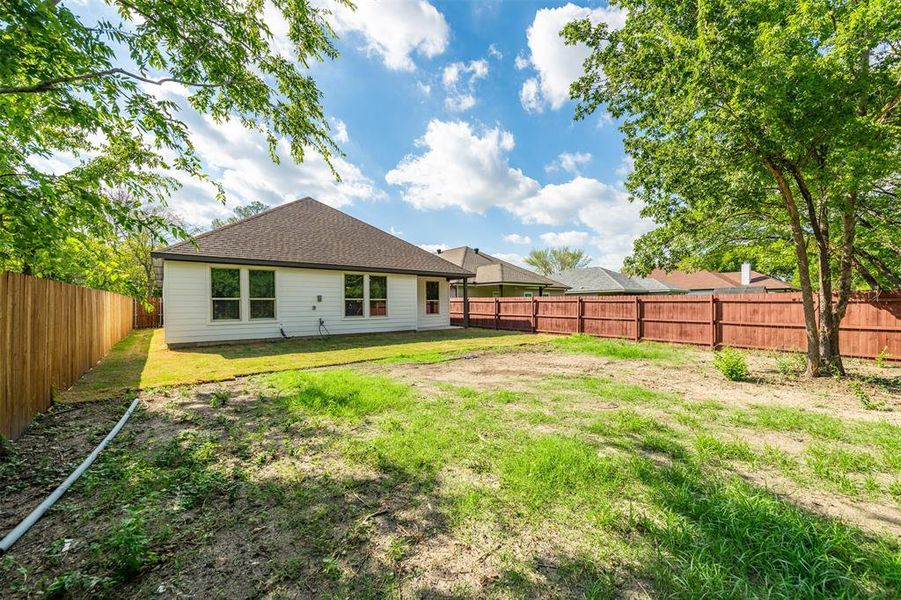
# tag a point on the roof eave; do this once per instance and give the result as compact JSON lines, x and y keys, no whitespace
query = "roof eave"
{"x":303,"y":265}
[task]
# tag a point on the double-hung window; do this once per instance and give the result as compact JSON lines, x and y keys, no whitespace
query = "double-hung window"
{"x":432,"y":301}
{"x":225,"y":294}
{"x":378,"y":296}
{"x":353,"y":295}
{"x":262,"y":294}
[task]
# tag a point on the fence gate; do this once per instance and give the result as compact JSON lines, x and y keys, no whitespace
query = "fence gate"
{"x":148,"y":319}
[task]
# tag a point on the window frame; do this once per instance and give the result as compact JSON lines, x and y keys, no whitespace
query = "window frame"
{"x":361,"y":299}
{"x":436,"y":301}
{"x":213,"y":299}
{"x":274,"y":299}
{"x":370,"y":299}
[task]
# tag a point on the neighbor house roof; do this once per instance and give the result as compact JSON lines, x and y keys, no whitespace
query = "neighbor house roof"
{"x":710,"y":280}
{"x":308,"y":233}
{"x":490,"y":270}
{"x":598,"y":280}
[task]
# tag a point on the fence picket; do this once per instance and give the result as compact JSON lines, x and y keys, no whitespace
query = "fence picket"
{"x":767,"y":321}
{"x":50,"y":333}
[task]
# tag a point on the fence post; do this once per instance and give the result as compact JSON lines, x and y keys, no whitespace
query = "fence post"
{"x":534,"y":315}
{"x":580,"y":321}
{"x":712,"y":321}
{"x":637,"y":319}
{"x":497,"y":313}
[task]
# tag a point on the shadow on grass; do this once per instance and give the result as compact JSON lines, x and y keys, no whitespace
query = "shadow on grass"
{"x":249,"y":500}
{"x":122,"y":367}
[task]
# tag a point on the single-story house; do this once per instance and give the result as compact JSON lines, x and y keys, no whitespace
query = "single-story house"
{"x":495,"y":277}
{"x":598,"y":281}
{"x":301,"y":269}
{"x":746,"y":281}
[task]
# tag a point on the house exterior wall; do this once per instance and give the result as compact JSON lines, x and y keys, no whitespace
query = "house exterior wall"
{"x":186,"y":294}
{"x":442,"y":319}
{"x":490,"y":291}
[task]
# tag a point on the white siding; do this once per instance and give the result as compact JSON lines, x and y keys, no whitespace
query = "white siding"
{"x":186,"y":294}
{"x":442,"y":319}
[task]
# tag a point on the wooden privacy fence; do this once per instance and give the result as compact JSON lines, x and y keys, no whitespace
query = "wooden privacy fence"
{"x":148,"y":319}
{"x":768,"y":321}
{"x":50,"y":333}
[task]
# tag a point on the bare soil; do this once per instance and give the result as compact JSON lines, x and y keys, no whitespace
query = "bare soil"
{"x":310,"y":524}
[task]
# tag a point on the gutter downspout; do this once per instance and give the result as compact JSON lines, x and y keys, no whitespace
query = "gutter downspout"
{"x":13,"y":536}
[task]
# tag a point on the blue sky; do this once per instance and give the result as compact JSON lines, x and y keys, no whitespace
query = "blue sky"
{"x":456,"y":129}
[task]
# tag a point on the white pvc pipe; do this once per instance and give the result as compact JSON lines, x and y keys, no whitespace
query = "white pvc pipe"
{"x":20,"y":529}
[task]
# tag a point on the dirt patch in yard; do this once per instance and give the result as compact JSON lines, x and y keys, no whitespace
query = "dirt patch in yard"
{"x":241,"y":489}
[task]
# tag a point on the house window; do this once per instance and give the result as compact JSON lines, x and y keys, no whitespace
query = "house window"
{"x":527,"y":294}
{"x":432,"y":302}
{"x":378,"y":296}
{"x":262,"y":294}
{"x":225,"y":293}
{"x":353,"y":295}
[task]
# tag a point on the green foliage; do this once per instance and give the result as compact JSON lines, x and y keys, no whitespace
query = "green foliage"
{"x":241,"y":212}
{"x":732,"y":364}
{"x":127,"y":547}
{"x":756,"y":128}
{"x":553,"y":260}
{"x":864,"y":397}
{"x":791,"y":365}
{"x":219,"y":397}
{"x":882,"y":357}
{"x":86,"y":93}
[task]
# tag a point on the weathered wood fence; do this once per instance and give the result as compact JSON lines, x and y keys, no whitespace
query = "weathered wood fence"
{"x":768,"y":321}
{"x":148,"y":319}
{"x":50,"y":334}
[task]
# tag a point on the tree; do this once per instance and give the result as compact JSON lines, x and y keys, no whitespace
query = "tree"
{"x":553,"y":260}
{"x":87,"y":92}
{"x":760,"y":122}
{"x":241,"y":212}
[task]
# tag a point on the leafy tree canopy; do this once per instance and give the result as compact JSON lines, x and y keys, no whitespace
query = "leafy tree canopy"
{"x":241,"y":212}
{"x":765,"y":124}
{"x":87,"y":91}
{"x":553,"y":260}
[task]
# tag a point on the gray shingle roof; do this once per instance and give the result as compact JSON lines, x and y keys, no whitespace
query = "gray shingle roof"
{"x":598,"y":280}
{"x":307,"y":233}
{"x":492,"y":270}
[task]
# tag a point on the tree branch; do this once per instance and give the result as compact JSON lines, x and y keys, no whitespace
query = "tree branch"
{"x":51,"y":84}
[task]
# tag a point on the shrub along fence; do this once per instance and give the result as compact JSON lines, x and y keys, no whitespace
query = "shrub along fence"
{"x":50,"y":334}
{"x":768,"y":321}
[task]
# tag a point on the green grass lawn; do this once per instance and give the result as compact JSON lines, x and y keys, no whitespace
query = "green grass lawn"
{"x":142,"y":359}
{"x":353,"y":484}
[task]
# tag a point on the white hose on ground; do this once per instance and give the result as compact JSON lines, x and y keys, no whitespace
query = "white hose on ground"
{"x":44,"y":506}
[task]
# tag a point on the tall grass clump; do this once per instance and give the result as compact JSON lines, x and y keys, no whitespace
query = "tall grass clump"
{"x":732,"y":364}
{"x":613,"y":348}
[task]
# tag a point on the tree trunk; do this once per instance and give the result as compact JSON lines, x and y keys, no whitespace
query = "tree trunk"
{"x":814,"y":362}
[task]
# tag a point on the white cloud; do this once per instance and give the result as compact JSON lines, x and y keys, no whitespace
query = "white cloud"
{"x":515,"y":238}
{"x":493,"y":52}
{"x":521,"y":62}
{"x":434,"y":247}
{"x":557,"y":64}
{"x":393,"y":31}
{"x":238,"y":158}
{"x":569,"y":162}
{"x":395,"y":232}
{"x":340,"y":129}
{"x":459,"y":80}
{"x":530,"y":95}
{"x":512,"y":257}
{"x":424,"y":88}
{"x":457,"y":166}
{"x":565,"y":238}
{"x":462,"y":168}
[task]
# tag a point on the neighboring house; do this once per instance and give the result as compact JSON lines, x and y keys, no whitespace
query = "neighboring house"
{"x":598,"y":281}
{"x":745,"y":281}
{"x":294,"y":268}
{"x":496,"y":277}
